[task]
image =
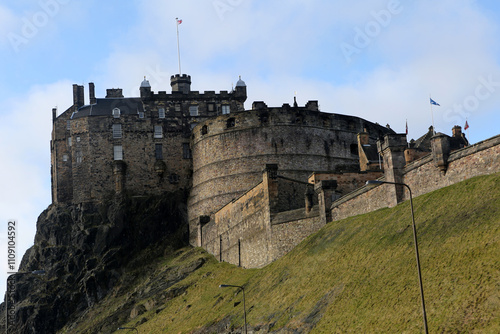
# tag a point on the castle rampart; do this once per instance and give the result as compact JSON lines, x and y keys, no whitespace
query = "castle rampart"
{"x":230,"y":150}
{"x":423,"y":176}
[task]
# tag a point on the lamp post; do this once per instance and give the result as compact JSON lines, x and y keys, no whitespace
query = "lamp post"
{"x":34,"y":272}
{"x":377,"y":182}
{"x":119,"y":328}
{"x":244,"y":307}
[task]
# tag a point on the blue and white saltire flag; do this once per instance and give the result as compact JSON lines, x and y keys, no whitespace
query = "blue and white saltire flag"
{"x":434,"y":102}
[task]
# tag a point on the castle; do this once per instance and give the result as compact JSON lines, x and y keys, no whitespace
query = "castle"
{"x":259,"y":180}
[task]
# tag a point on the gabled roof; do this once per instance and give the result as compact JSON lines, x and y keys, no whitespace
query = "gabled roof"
{"x":424,"y":143}
{"x":104,"y":107}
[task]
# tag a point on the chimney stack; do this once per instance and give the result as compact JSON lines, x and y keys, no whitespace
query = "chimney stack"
{"x":457,"y":131}
{"x":92,"y":93}
{"x":78,"y":96}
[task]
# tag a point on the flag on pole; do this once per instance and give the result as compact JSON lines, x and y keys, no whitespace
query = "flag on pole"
{"x":434,"y":102}
{"x":466,"y":125}
{"x":179,"y":21}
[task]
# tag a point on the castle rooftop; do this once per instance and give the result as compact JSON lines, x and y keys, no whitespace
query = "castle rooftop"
{"x":105,"y":106}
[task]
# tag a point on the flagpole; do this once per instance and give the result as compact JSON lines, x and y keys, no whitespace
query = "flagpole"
{"x":467,"y":125}
{"x":432,"y":116}
{"x":178,"y":49}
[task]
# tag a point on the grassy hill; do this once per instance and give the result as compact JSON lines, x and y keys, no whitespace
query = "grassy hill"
{"x":356,"y":275}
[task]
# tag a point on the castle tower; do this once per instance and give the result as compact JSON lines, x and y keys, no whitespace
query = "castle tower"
{"x":180,"y":83}
{"x":145,"y":89}
{"x":240,"y":92}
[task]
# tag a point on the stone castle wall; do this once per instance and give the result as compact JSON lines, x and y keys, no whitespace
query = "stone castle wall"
{"x":258,"y":227}
{"x":230,"y":151}
{"x":423,"y":176}
{"x":83,"y":148}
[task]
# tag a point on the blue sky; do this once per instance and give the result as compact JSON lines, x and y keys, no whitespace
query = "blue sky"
{"x":379,"y":60}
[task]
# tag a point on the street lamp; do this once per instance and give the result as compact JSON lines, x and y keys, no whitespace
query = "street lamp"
{"x":244,"y":307}
{"x":119,"y":328}
{"x":34,"y":272}
{"x":377,"y":182}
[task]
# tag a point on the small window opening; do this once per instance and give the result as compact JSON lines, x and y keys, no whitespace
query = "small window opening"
{"x":230,"y":122}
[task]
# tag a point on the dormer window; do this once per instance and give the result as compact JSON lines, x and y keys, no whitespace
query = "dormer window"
{"x":161,"y":113}
{"x":141,"y":114}
{"x":116,"y":113}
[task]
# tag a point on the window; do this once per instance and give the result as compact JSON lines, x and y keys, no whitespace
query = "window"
{"x":68,"y":125}
{"x":204,"y":130}
{"x":69,"y":142}
{"x":225,"y":109}
{"x":177,"y":107}
{"x":354,"y":149}
{"x":211,"y":107}
{"x":77,"y":139}
{"x":161,"y":113}
{"x":230,"y":122}
{"x":141,"y":114}
{"x":158,"y":151}
{"x":117,"y":152}
{"x":186,"y":151}
{"x":116,"y":113}
{"x":117,"y":130}
{"x":79,"y":157}
{"x":193,"y":110}
{"x":65,"y":157}
{"x":158,"y":131}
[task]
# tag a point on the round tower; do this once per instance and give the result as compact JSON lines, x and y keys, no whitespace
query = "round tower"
{"x":230,"y":151}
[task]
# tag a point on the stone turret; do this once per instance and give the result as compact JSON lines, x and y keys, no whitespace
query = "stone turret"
{"x":240,"y":92}
{"x":145,"y":89}
{"x":180,"y":83}
{"x":392,"y":150}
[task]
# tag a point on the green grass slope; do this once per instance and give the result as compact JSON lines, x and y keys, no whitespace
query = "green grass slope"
{"x":357,"y":275}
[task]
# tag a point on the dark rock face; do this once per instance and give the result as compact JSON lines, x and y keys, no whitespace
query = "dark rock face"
{"x":83,"y":249}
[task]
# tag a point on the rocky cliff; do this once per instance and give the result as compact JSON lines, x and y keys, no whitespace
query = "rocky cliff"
{"x":84,"y":250}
